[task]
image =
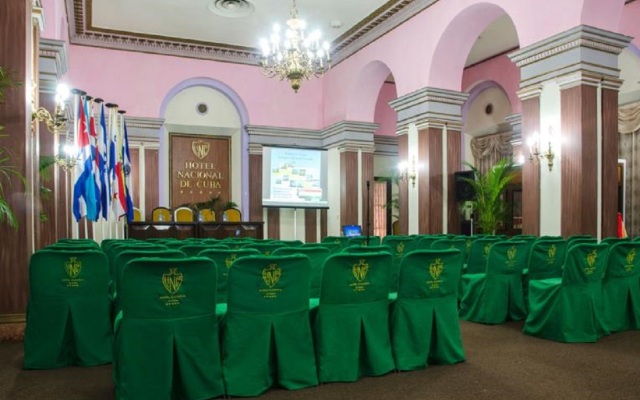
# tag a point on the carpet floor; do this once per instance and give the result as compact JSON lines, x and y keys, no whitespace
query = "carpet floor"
{"x":502,"y":363}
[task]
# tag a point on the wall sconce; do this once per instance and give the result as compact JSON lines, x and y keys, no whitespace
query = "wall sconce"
{"x":56,"y":123}
{"x":535,"y":155}
{"x":67,"y":155}
{"x":408,"y":171}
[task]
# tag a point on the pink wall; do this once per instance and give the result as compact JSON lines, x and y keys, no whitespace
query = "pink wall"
{"x":138,"y":82}
{"x":630,"y":22}
{"x":500,"y":70}
{"x":385,"y":115}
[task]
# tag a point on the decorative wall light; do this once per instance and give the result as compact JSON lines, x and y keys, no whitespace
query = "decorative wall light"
{"x":408,"y":171}
{"x":56,"y":123}
{"x":536,"y":155}
{"x":295,"y":56}
{"x":67,"y":155}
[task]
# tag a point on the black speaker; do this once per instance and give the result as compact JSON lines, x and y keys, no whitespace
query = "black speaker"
{"x":464,"y":190}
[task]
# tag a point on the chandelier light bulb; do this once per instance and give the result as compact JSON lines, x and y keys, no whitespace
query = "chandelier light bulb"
{"x":297,"y":56}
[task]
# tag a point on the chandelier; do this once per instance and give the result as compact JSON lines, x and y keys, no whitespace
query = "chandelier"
{"x":295,"y":56}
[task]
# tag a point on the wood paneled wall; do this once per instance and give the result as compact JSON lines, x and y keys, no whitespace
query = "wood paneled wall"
{"x":349,"y":188}
{"x":134,"y":174}
{"x":609,"y":162}
{"x":429,"y":181}
{"x":578,"y":161}
{"x":255,"y":187}
{"x":151,"y":183}
{"x":454,"y":164}
{"x":310,"y":225}
{"x":323,"y":223}
{"x":48,"y":203}
{"x":530,"y":172}
{"x":273,"y":222}
{"x":367,"y":176}
{"x":403,"y":185}
{"x":15,"y":246}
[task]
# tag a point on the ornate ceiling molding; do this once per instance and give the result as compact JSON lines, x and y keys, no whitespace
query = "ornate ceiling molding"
{"x":81,"y":32}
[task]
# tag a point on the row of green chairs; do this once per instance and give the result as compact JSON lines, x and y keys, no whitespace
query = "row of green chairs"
{"x":268,"y":335}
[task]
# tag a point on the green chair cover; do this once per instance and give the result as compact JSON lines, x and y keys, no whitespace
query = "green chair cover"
{"x":167,"y":342}
{"x":352,"y":321}
{"x":400,"y":245}
{"x":569,"y":309}
{"x":333,"y":247}
{"x":424,"y":320}
{"x":68,"y":313}
{"x":367,"y":249}
{"x":621,"y":287}
{"x":267,"y":331}
{"x":524,"y":237}
{"x":317,"y":255}
{"x":546,"y":259}
{"x":613,"y":240}
{"x":114,"y":250}
{"x":123,"y":259}
{"x":362,"y":241}
{"x":496,"y":296}
{"x":453,"y":243}
{"x":236,"y":244}
{"x":224,"y":258}
{"x":341,"y":240}
{"x":265,"y":248}
{"x":193,"y":249}
{"x":424,"y":242}
{"x":291,"y":243}
{"x":478,"y":254}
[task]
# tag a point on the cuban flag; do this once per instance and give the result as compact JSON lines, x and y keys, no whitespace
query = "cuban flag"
{"x":85,"y":190}
{"x":103,"y":144}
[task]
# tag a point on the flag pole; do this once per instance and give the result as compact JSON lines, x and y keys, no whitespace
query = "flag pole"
{"x":75,"y":228}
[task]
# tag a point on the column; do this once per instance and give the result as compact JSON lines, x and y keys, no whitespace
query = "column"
{"x":18,"y":52}
{"x":569,"y":91}
{"x":430,"y":143}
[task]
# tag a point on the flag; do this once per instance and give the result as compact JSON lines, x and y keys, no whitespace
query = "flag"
{"x":95,"y":155}
{"x":85,"y":191}
{"x":119,"y":200}
{"x":103,"y":142}
{"x":127,"y":173}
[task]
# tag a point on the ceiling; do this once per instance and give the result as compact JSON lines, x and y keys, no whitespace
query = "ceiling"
{"x":232,"y":30}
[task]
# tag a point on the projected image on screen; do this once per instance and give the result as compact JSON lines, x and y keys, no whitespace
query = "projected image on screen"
{"x":294,"y":177}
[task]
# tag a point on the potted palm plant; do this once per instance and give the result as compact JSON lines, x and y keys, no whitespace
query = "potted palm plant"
{"x":7,"y":170}
{"x":489,"y":203}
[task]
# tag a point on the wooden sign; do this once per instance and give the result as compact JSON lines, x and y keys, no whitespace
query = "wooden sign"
{"x":200,"y":168}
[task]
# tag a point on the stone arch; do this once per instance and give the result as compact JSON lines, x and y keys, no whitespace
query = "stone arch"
{"x":243,"y":114}
{"x":475,"y":90}
{"x":456,"y":41}
{"x":364,"y":91}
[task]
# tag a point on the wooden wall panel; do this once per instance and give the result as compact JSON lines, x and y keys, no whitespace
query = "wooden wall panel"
{"x":430,"y":182}
{"x":579,"y":169}
{"x":403,"y":186}
{"x":367,"y":176}
{"x":609,"y":162}
{"x":273,"y":222}
{"x":454,"y":164}
{"x":49,"y":202}
{"x":151,"y":182}
{"x":62,"y":198}
{"x":255,"y":187}
{"x":134,"y":154}
{"x":15,"y":246}
{"x":323,"y":224}
{"x":310,"y":225}
{"x":530,"y":172}
{"x":348,"y":188}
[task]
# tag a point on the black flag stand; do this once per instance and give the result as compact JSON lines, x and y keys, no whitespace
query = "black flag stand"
{"x":368,"y":217}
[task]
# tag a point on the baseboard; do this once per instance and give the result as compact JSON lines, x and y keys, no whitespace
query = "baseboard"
{"x":12,"y":318}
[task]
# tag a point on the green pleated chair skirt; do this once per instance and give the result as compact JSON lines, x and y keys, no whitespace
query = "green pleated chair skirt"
{"x":621,"y":303}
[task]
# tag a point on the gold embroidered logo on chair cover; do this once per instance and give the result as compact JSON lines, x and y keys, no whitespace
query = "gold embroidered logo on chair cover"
{"x":271,"y":275}
{"x":630,"y":258}
{"x":400,"y":248}
{"x":469,"y":242}
{"x":591,"y":262}
{"x":73,"y":267}
{"x":172,"y":280}
{"x":229,"y":260}
{"x":360,"y":270}
{"x":435,"y":268}
{"x":487,"y":248}
{"x":551,"y":254}
{"x":200,"y":148}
